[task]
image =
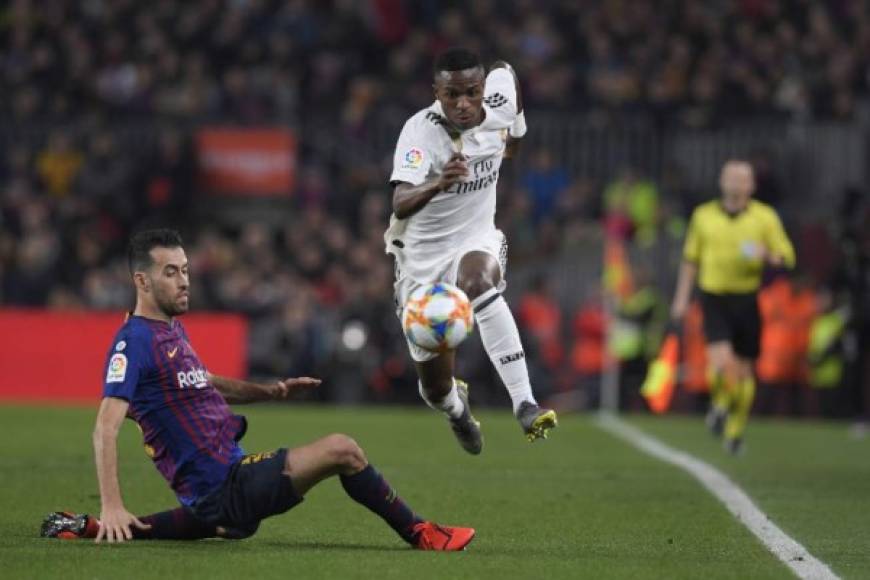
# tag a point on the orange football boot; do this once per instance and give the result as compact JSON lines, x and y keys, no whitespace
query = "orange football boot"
{"x":431,"y":536}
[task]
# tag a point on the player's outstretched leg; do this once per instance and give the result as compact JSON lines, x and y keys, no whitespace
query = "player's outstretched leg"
{"x":340,"y":455}
{"x":479,"y":277}
{"x":175,"y":524}
{"x":444,"y":393}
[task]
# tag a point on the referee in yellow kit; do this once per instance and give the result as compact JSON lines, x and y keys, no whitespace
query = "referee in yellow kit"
{"x":728,"y":243}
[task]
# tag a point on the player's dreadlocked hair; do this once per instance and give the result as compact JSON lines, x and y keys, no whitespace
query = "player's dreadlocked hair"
{"x":456,"y":58}
{"x":141,"y":243}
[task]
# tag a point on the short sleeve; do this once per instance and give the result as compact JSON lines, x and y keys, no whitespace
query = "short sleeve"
{"x":500,"y":99}
{"x":412,"y":158}
{"x":692,"y":247}
{"x":124,"y":365}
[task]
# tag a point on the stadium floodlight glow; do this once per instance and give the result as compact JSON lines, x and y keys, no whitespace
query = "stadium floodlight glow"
{"x":354,"y":335}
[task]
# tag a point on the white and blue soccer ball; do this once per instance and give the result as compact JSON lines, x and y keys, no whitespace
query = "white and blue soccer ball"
{"x":437,"y":317}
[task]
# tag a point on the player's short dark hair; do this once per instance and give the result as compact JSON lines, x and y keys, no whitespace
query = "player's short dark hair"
{"x":456,"y":58}
{"x":142,"y":242}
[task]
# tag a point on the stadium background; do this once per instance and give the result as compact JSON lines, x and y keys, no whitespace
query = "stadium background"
{"x":264,"y":132}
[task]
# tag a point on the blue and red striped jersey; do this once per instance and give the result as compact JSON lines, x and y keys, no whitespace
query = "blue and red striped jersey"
{"x":187,"y":427}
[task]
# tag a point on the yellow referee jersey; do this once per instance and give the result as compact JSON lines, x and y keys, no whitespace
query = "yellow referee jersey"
{"x":729,"y":250}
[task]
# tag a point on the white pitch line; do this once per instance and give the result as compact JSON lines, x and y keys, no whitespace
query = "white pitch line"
{"x":783,"y":546}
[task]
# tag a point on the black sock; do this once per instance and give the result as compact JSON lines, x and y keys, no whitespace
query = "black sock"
{"x":177,"y":524}
{"x":369,"y":488}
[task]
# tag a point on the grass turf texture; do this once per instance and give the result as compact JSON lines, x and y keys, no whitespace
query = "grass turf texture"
{"x":812,"y":479}
{"x":581,"y":504}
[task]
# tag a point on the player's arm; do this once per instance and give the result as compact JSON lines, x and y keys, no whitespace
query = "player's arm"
{"x":115,"y":520}
{"x":408,"y":199}
{"x":685,"y":284}
{"x":779,"y":250}
{"x":518,"y":129}
{"x":688,"y":270}
{"x":240,"y":392}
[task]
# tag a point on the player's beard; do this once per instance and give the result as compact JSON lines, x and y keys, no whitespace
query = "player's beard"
{"x":171,"y":305}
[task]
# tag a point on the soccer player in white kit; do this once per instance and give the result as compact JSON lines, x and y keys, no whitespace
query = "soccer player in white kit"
{"x":445,"y":172}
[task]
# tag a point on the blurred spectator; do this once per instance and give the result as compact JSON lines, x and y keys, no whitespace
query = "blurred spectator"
{"x":106,"y":179}
{"x":787,"y":309}
{"x":634,"y":201}
{"x":636,"y":334}
{"x":589,"y":349}
{"x":545,"y":182}
{"x":169,"y":181}
{"x":30,"y":280}
{"x":852,"y":280}
{"x":541,"y":318}
{"x":59,"y":164}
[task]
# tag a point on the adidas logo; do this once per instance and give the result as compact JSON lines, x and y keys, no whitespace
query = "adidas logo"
{"x":495,"y":100}
{"x":435,"y":118}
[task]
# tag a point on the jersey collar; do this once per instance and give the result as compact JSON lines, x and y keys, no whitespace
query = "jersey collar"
{"x":170,"y":324}
{"x":721,"y":207}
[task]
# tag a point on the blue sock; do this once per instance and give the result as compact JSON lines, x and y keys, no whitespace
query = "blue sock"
{"x":369,"y":488}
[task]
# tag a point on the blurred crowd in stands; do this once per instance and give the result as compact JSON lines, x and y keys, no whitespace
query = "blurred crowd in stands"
{"x":696,"y":63}
{"x":314,"y":280}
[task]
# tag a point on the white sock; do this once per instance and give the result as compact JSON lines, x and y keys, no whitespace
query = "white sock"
{"x":501,"y":339}
{"x":451,"y":405}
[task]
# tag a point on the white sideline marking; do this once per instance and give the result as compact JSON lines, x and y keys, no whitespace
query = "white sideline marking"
{"x":783,"y":546}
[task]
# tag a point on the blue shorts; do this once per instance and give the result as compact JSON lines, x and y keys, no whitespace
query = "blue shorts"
{"x":255,"y":489}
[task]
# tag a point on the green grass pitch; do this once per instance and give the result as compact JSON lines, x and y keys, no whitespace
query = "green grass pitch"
{"x":579,"y":505}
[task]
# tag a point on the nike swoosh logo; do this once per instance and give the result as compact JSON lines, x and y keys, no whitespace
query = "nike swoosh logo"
{"x":172,"y":352}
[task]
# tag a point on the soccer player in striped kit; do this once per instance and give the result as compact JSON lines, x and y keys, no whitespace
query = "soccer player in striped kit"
{"x":154,"y":376}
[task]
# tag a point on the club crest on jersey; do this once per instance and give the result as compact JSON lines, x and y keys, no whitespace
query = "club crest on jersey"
{"x":192,"y":379}
{"x":413,"y":158}
{"x":117,"y":370}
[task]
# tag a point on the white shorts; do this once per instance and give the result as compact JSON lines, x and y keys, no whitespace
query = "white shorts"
{"x":445,"y":268}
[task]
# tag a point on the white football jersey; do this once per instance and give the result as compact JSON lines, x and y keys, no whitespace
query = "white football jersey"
{"x":467,"y":209}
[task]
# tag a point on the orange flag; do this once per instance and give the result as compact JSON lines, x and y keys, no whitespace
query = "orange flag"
{"x":661,"y":378}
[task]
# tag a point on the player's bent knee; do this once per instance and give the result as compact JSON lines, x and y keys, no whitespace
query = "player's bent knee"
{"x":476,"y":285}
{"x":345,"y":453}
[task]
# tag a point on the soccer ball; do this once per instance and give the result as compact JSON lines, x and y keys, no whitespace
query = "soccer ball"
{"x":437,"y":317}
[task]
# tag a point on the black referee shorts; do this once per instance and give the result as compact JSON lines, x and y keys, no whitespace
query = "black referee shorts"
{"x":735,"y":318}
{"x":255,"y":489}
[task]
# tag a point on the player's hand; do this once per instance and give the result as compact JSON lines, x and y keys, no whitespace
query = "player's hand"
{"x":678,"y":311}
{"x":772,"y":259}
{"x":283,"y":388}
{"x":454,"y":171}
{"x":511,"y":147}
{"x":115,"y":525}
